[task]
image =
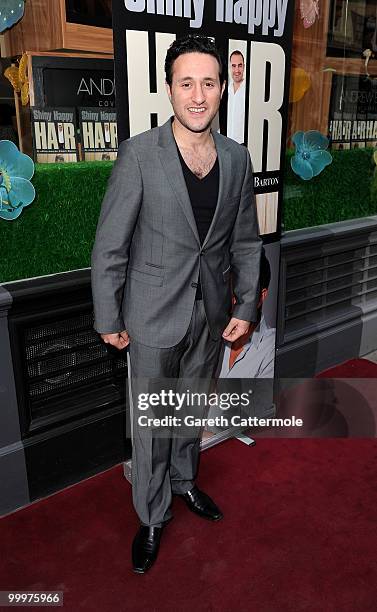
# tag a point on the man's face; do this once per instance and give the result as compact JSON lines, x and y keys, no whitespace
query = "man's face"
{"x":237,"y":67}
{"x":195,"y":92}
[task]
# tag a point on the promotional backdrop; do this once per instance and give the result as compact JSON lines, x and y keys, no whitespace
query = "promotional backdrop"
{"x":262,"y":31}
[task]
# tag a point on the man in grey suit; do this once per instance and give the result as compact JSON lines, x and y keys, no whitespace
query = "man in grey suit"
{"x":177,"y":221}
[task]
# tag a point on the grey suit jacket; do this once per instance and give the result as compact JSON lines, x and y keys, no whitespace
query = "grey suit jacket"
{"x":147,"y":254}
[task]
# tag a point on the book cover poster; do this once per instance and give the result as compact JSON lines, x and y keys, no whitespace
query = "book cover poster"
{"x":99,"y":135}
{"x":254,"y":114}
{"x":54,"y":134}
{"x":353,"y":112}
{"x":255,"y":41}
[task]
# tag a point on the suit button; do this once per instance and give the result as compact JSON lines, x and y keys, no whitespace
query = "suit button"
{"x":202,"y":253}
{"x":194,"y":285}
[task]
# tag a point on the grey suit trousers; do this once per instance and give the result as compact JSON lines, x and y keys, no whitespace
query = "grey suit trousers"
{"x":166,"y":462}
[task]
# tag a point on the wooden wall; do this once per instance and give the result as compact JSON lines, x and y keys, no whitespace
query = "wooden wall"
{"x":44,"y":28}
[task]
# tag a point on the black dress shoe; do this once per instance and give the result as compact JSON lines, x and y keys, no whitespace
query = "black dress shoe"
{"x":145,"y":548}
{"x":202,"y":504}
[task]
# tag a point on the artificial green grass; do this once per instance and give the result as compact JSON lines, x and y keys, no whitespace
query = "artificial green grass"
{"x":346,"y":189}
{"x":56,"y":232}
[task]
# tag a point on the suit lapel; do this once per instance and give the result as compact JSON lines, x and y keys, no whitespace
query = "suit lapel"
{"x":224,"y":158}
{"x":173,"y":170}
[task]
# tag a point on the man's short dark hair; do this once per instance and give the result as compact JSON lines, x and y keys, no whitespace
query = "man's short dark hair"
{"x":192,"y":43}
{"x":237,"y":53}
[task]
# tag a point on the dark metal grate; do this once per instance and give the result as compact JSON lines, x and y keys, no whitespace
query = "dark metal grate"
{"x":68,"y":378}
{"x":61,"y":327}
{"x":324,"y":288}
{"x":81,"y":338}
{"x":62,"y":355}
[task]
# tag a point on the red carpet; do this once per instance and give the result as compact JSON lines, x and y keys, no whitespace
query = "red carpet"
{"x":299,"y":533}
{"x":353,"y":368}
{"x":340,"y":402}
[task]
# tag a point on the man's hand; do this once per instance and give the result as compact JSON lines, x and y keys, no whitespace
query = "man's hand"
{"x":235,"y":329}
{"x":119,"y":340}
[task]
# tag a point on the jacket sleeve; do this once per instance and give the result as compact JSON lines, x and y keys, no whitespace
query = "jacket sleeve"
{"x":116,"y":224}
{"x":245,"y":251}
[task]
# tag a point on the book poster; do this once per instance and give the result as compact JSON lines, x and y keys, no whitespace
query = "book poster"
{"x":255,"y":39}
{"x":54,"y":134}
{"x":254,"y":114}
{"x":99,"y":134}
{"x":353,"y":112}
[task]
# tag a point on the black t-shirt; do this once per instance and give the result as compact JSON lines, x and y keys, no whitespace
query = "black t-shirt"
{"x":203,"y":194}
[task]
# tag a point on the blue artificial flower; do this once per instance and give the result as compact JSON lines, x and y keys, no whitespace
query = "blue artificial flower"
{"x":11,"y":11}
{"x":310,"y":157}
{"x":16,"y":190}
